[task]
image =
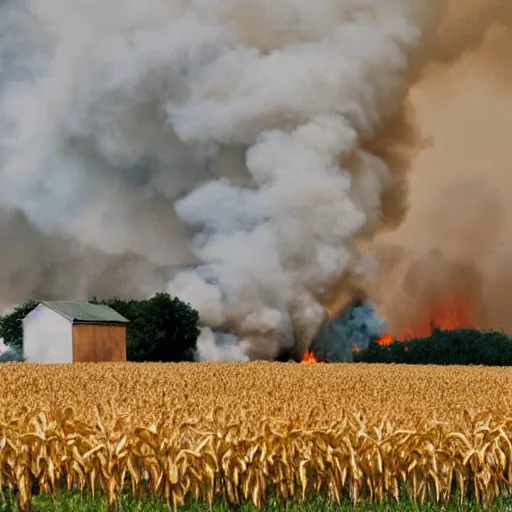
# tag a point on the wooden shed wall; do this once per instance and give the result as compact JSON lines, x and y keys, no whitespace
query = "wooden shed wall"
{"x":97,"y":343}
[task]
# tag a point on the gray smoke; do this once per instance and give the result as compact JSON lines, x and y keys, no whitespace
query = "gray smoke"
{"x":219,"y":346}
{"x":356,"y":327}
{"x":9,"y":354}
{"x":228,"y":137}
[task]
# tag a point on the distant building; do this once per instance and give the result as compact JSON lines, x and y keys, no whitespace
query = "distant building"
{"x":73,"y":332}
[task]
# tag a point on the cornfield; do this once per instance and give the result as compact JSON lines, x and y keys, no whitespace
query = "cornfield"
{"x":248,"y":431}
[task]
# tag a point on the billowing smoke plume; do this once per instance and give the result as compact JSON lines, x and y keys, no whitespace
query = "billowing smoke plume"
{"x":305,"y":110}
{"x":130,"y":129}
{"x":258,"y":144}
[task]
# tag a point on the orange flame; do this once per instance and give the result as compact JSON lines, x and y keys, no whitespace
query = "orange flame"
{"x":309,"y":358}
{"x":387,"y":339}
{"x":449,"y":314}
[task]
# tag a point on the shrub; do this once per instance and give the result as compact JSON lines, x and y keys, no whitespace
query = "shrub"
{"x":11,"y":326}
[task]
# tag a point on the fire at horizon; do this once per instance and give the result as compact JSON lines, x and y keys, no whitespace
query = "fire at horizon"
{"x":309,"y":357}
{"x":455,"y":312}
{"x":449,"y":314}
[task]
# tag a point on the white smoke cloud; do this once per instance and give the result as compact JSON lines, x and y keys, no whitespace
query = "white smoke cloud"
{"x":218,"y":346}
{"x":226,"y":133}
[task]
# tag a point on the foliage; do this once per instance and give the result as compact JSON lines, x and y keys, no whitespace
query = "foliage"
{"x":11,"y":326}
{"x":85,"y":502}
{"x":161,"y":328}
{"x":452,"y":347}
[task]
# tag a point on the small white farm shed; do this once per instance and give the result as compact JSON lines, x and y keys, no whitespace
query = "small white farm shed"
{"x":72,"y":332}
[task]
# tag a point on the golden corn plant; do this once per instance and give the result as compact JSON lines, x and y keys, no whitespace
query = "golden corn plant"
{"x":245,"y":432}
{"x":209,"y":459}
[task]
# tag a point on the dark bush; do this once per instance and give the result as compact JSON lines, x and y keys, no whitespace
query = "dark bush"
{"x":11,"y":326}
{"x":453,"y":347}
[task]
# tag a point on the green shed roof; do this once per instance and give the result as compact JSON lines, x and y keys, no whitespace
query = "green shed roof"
{"x":86,"y":312}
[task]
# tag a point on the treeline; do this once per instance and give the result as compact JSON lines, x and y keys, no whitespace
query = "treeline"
{"x":161,"y":328}
{"x":453,"y":347}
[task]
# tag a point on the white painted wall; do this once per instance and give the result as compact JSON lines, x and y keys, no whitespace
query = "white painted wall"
{"x":47,"y":337}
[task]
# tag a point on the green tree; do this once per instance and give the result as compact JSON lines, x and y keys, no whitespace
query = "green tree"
{"x":11,"y":325}
{"x":161,"y":328}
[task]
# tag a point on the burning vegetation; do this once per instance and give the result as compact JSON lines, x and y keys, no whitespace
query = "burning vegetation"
{"x":427,"y":293}
{"x":439,"y":317}
{"x":451,"y":300}
{"x":449,"y":314}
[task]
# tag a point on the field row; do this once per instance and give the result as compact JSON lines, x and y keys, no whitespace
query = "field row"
{"x":215,"y":459}
{"x":409,"y":396}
